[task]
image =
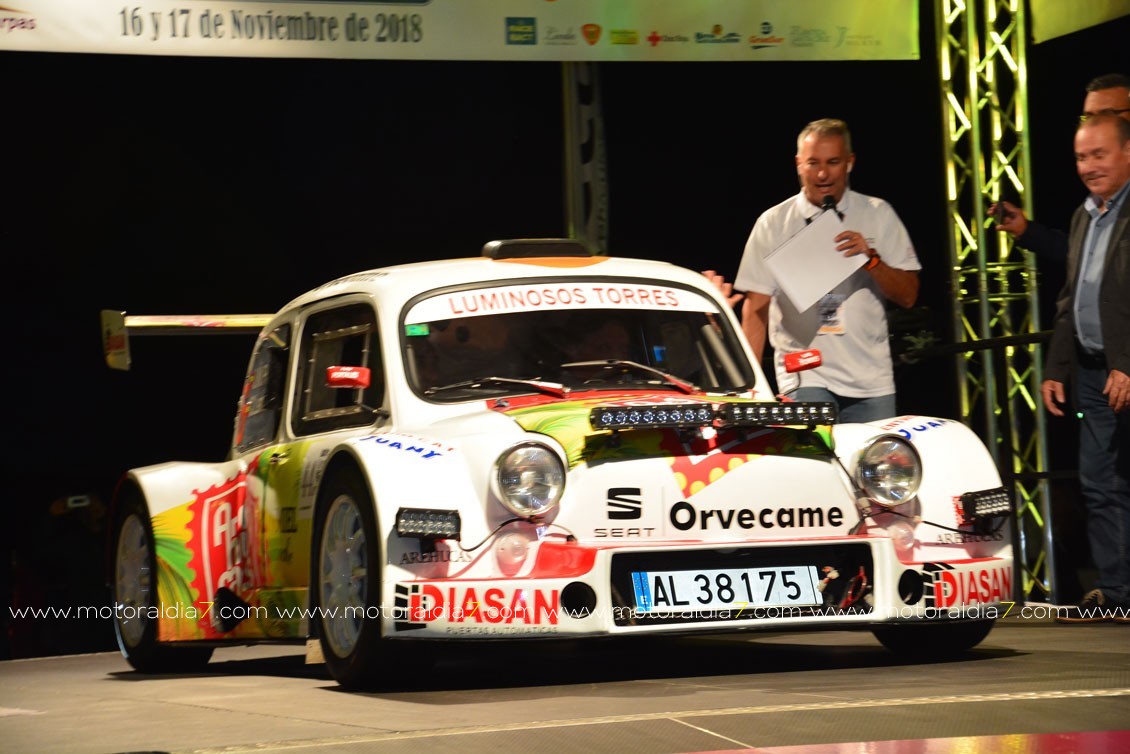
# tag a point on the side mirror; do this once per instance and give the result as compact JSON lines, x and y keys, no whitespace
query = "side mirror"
{"x":348,"y":377}
{"x":799,"y":361}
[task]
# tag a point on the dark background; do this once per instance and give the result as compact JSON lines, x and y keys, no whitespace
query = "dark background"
{"x":194,"y":185}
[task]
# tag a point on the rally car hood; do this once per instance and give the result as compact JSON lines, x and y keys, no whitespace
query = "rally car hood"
{"x":720,"y":484}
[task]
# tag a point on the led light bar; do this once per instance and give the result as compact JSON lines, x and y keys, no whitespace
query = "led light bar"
{"x":764,"y":414}
{"x":652,"y":417}
{"x":986,"y":504}
{"x":426,"y":523}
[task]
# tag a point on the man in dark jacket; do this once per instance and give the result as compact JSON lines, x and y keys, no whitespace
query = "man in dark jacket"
{"x":1106,"y":95}
{"x":1090,"y":350}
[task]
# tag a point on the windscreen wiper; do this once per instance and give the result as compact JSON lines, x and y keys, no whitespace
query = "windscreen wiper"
{"x":549,"y":388}
{"x":623,"y":366}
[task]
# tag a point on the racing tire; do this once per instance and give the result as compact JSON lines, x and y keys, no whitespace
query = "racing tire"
{"x":933,"y":641}
{"x":134,"y":591}
{"x":346,"y":574}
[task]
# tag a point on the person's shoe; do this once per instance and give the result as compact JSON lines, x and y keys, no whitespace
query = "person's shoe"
{"x":1092,"y":609}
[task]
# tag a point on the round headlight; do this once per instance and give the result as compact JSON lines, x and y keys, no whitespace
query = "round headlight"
{"x":889,"y":470}
{"x":530,"y":480}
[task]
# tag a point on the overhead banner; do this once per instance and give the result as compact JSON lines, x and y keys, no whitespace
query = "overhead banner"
{"x":531,"y":30}
{"x":1055,"y":18}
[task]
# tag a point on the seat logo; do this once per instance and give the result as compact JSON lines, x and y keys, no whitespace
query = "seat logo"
{"x":625,"y":503}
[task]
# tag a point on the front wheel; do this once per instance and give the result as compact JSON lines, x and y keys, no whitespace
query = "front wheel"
{"x":933,"y":641}
{"x":135,"y":595}
{"x":347,"y":586}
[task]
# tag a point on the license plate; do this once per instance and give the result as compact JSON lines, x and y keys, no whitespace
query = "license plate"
{"x":725,"y":589}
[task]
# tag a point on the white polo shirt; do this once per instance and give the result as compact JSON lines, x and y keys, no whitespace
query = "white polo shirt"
{"x":849,"y":324}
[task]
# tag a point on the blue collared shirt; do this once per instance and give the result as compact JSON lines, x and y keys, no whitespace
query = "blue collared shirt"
{"x":1088,"y":324}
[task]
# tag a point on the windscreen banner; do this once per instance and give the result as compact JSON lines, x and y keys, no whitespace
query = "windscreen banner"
{"x":520,"y":30}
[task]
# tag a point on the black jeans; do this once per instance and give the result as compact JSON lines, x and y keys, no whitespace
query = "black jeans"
{"x":1104,"y":475}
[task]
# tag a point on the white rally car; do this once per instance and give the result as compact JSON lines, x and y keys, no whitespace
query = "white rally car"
{"x":541,"y":443}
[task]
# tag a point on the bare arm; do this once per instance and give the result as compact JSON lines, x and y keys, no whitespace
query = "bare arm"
{"x":900,"y":286}
{"x":755,"y":321}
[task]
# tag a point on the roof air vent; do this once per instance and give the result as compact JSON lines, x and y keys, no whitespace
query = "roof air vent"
{"x":525,"y":248}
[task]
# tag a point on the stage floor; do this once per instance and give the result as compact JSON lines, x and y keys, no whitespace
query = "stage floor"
{"x":1032,"y":687}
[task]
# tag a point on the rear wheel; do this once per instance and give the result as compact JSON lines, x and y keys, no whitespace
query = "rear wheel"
{"x":933,"y":640}
{"x":135,"y":595}
{"x":347,"y":586}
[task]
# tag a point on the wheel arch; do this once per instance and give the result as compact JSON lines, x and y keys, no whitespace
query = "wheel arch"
{"x":346,"y":459}
{"x":145,"y":651}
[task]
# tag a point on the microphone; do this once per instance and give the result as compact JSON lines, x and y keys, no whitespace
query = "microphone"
{"x":830,"y":204}
{"x":798,"y":361}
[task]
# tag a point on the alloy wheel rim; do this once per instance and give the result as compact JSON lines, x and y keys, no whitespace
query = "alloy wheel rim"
{"x":132,"y":580}
{"x":343,"y":576}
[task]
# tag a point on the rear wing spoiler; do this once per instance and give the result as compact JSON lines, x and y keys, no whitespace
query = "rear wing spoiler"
{"x":117,"y":328}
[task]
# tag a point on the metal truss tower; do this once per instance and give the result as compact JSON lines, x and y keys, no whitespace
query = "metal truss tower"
{"x":982,"y":50}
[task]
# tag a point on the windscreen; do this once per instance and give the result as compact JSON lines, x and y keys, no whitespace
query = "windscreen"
{"x":462,"y":344}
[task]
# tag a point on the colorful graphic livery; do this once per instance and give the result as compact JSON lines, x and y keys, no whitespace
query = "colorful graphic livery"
{"x":533,"y":443}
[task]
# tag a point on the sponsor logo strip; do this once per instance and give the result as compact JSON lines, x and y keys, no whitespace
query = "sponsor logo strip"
{"x":464,"y":609}
{"x":573,"y":295}
{"x":951,"y":586}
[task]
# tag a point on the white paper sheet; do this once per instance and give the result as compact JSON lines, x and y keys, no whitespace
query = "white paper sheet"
{"x":807,"y":265}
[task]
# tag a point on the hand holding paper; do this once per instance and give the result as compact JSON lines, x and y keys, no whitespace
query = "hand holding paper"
{"x":808,"y":265}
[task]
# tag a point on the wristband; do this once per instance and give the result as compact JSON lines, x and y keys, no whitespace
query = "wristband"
{"x":872,"y":263}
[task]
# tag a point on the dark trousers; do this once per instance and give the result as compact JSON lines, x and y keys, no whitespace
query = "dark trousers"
{"x":1104,"y":475}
